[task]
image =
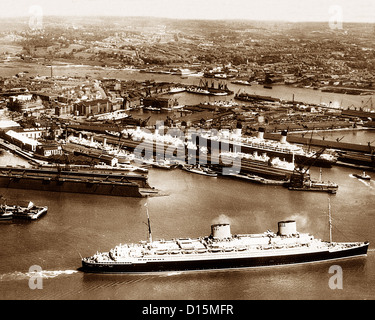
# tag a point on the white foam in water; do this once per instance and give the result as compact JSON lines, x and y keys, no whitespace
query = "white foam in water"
{"x":175,"y":273}
{"x":45,"y":274}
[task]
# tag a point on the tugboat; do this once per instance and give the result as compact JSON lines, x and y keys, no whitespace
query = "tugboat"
{"x":222,"y":250}
{"x":362,"y":176}
{"x":29,"y":212}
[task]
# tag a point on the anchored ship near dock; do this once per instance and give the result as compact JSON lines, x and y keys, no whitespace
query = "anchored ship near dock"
{"x":222,"y":250}
{"x":281,"y":149}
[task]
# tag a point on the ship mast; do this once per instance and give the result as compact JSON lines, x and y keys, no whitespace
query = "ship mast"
{"x":330,"y":220}
{"x":149,"y":224}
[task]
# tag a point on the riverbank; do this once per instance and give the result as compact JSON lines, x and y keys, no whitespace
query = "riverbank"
{"x":284,"y":92}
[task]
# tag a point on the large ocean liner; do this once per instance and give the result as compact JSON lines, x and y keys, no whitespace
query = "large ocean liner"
{"x":281,"y":149}
{"x":222,"y":250}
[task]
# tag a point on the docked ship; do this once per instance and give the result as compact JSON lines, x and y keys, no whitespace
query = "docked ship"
{"x":56,"y":179}
{"x":281,"y":149}
{"x":257,"y":179}
{"x":205,"y":91}
{"x":222,"y":250}
{"x":300,"y":180}
{"x":244,"y":96}
{"x":298,"y":183}
{"x":199,"y":170}
{"x":357,"y":159}
{"x":205,"y":88}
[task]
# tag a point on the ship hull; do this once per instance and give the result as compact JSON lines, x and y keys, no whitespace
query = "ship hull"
{"x":314,"y":189}
{"x":162,"y":265}
{"x":351,"y":158}
{"x":234,"y":146}
{"x":72,"y":182}
{"x":78,"y":186}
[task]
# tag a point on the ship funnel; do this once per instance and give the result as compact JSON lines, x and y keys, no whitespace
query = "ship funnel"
{"x":260,"y":133}
{"x":238,"y":130}
{"x":287,"y":228}
{"x":220,"y":231}
{"x":283,"y":136}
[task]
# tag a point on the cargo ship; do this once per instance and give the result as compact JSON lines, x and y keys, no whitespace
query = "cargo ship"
{"x":243,"y":96}
{"x":222,"y":250}
{"x":104,"y":183}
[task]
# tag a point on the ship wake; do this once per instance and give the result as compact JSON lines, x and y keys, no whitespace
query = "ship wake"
{"x":45,"y":274}
{"x":366,"y":183}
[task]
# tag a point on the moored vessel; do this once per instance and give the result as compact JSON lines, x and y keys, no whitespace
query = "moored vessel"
{"x":200,"y":170}
{"x":281,"y":149}
{"x":301,"y":182}
{"x":29,"y":212}
{"x":83,"y":181}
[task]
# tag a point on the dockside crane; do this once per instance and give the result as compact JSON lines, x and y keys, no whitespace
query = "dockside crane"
{"x":298,"y":176}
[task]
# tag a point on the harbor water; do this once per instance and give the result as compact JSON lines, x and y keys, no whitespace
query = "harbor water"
{"x":79,"y":225}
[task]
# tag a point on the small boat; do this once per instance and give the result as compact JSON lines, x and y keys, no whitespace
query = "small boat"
{"x":200,"y":170}
{"x":30,"y":212}
{"x":241,"y":82}
{"x":162,"y":164}
{"x":5,"y":214}
{"x":177,"y":89}
{"x":362,"y":176}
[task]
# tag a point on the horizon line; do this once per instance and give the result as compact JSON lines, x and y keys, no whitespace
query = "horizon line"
{"x":183,"y":19}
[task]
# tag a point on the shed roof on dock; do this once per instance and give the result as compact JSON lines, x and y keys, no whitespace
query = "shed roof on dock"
{"x":324,"y":143}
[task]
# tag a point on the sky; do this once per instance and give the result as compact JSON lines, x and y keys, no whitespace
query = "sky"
{"x":285,"y":10}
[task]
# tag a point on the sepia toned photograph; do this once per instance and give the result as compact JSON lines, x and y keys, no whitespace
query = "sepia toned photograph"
{"x":156,"y":151}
